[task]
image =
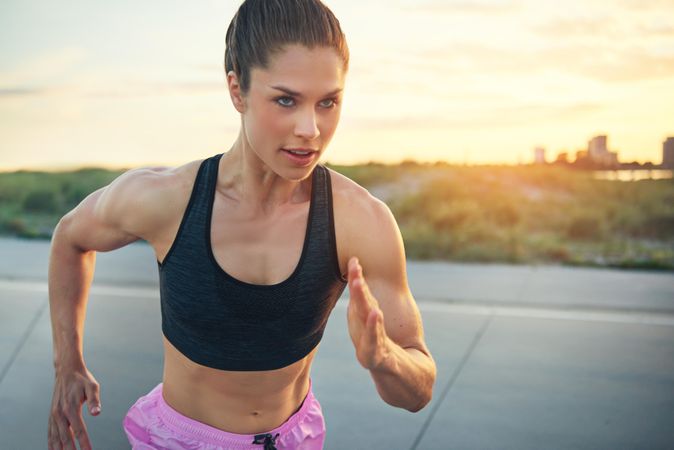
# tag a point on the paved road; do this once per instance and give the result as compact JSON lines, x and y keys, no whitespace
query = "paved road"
{"x":528,"y":357}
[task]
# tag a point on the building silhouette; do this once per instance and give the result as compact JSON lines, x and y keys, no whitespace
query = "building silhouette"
{"x":539,"y":155}
{"x":562,"y":158}
{"x":668,"y":153}
{"x":598,"y":157}
{"x":599,"y":154}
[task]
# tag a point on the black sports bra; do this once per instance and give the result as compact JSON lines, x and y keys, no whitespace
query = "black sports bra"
{"x":219,"y":321}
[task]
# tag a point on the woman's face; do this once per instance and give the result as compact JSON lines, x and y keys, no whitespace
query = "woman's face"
{"x":293,"y":104}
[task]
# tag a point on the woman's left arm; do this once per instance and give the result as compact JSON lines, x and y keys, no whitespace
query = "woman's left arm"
{"x":384,"y":321}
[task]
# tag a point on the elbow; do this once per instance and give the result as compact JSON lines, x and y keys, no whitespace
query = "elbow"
{"x":419,"y":406}
{"x":61,"y":227}
{"x":427,"y":395}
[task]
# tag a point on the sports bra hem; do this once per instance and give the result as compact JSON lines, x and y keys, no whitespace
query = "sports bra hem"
{"x":238,"y":366}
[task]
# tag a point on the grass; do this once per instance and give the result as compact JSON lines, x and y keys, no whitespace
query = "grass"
{"x":31,"y":203}
{"x":513,"y":214}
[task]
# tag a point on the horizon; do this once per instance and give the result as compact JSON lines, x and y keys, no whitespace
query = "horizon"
{"x":126,"y":85}
{"x":648,"y":165}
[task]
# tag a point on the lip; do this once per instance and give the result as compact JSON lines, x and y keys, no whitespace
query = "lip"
{"x":300,"y":160}
{"x":300,"y":149}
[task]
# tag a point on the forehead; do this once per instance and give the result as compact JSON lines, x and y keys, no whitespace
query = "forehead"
{"x":317,"y":70}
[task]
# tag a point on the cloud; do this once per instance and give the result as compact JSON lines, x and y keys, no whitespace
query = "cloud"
{"x":657,"y":30}
{"x":41,"y":68}
{"x":596,"y":61}
{"x":609,"y":64}
{"x":489,"y":117}
{"x":121,"y":90}
{"x":20,"y":92}
{"x":592,"y":28}
{"x":641,"y":5}
{"x":577,"y":26}
{"x":143,"y":89}
{"x":462,"y":6}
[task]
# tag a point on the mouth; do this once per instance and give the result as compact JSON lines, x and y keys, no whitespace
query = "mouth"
{"x":301,"y":156}
{"x":299,"y":151}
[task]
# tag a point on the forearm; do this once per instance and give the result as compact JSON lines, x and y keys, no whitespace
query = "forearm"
{"x":405,"y":379}
{"x":71,"y":271}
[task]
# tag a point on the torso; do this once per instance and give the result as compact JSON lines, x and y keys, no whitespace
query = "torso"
{"x":262,"y":252}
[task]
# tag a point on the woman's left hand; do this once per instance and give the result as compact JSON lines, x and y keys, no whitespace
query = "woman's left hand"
{"x":366,"y":321}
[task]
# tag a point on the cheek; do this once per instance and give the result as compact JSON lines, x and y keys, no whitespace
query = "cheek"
{"x":267,"y":125}
{"x":275,"y":121}
{"x":330,"y":124}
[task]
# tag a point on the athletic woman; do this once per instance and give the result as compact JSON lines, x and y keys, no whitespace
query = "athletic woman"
{"x":254,"y":246}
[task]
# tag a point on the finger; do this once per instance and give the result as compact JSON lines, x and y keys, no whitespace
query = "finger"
{"x":358,"y":300}
{"x":353,"y":265}
{"x":374,"y":324}
{"x":376,"y":334}
{"x":53,"y":439}
{"x":358,"y":279}
{"x":362,"y":290}
{"x":92,"y":391}
{"x":369,"y":340}
{"x":354,"y":277}
{"x":77,"y":427}
{"x":355,"y":273}
{"x":80,"y":431}
{"x":65,"y":434}
{"x":355,"y":270}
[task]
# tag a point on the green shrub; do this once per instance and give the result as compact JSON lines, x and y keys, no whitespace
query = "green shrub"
{"x":42,"y":200}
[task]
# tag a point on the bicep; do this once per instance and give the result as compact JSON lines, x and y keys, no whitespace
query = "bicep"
{"x":382,"y":256}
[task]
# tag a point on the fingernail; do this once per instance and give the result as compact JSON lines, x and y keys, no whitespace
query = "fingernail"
{"x":95,"y":410}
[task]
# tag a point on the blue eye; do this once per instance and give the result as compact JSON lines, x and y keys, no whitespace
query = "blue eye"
{"x":280,"y":100}
{"x":288,"y":102}
{"x":332,"y":103}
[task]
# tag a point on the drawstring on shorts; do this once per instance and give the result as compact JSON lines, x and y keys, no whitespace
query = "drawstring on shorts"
{"x":269,"y":441}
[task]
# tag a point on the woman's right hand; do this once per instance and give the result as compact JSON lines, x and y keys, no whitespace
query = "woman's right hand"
{"x":71,"y":389}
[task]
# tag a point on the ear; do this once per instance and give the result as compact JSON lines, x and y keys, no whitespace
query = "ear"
{"x":235,"y":93}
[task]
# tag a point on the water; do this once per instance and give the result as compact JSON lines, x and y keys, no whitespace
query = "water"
{"x":632,"y":175}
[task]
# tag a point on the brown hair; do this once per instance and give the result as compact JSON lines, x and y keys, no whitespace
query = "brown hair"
{"x":261,"y":28}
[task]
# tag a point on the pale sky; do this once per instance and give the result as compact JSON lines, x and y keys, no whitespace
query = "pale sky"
{"x":124,"y":84}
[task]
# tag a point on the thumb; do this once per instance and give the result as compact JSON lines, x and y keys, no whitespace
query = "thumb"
{"x":93,"y":398}
{"x":374,"y":322}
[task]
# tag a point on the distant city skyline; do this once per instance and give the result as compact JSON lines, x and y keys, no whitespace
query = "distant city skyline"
{"x":124,"y":84}
{"x":597,"y":154}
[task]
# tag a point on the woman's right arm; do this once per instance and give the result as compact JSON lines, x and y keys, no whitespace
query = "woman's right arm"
{"x":107,"y":219}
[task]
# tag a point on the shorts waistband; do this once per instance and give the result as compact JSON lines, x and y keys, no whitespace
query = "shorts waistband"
{"x":186,"y":425}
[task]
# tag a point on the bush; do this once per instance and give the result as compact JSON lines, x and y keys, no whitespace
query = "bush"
{"x":659,"y":226}
{"x":452,"y":216}
{"x":584,"y":228}
{"x":15,"y":226}
{"x":42,"y":201}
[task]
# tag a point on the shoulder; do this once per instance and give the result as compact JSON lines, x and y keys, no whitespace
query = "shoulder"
{"x":142,"y":199}
{"x":359,"y":201}
{"x":361,"y":215}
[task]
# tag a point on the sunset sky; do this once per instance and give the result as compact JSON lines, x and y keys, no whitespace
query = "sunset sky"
{"x":126,"y":83}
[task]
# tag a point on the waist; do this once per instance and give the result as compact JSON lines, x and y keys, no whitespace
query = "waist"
{"x":237,"y":402}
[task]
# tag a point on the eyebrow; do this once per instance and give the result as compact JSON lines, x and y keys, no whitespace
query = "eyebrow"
{"x":297,"y":94}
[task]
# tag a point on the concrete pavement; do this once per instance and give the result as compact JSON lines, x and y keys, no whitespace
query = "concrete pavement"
{"x":528,"y":357}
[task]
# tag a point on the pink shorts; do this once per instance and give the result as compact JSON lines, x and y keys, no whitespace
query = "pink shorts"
{"x":151,"y":424}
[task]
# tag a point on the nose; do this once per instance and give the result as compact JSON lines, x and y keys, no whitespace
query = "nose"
{"x":307,"y":126}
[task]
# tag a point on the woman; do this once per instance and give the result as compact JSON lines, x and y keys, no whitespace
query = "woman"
{"x":254,"y":247}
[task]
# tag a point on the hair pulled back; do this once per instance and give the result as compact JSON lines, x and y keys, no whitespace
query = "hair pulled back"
{"x":260,"y":28}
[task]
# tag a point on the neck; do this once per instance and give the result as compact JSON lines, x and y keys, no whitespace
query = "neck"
{"x":245,"y":179}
